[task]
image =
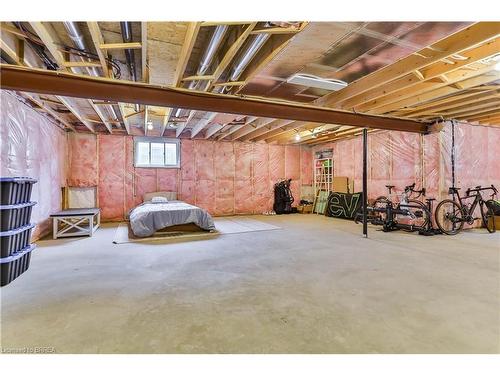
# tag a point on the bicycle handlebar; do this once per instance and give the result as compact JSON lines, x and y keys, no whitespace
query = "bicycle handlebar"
{"x":479,"y":188}
{"x":411,"y":188}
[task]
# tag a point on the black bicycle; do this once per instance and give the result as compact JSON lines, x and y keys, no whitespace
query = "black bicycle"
{"x":452,"y":214}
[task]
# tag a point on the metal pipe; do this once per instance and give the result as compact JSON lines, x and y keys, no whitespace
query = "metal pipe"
{"x":213,"y":46}
{"x":365,"y":182}
{"x":250,"y":53}
{"x":129,"y":53}
{"x":206,"y":61}
{"x":76,"y":36}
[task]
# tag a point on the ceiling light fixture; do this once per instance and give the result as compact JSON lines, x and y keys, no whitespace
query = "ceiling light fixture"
{"x":497,"y":60}
{"x":297,"y":137}
{"x":150,"y":125}
{"x":317,"y":82}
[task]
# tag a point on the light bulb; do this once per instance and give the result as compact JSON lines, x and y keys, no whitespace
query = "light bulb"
{"x":297,"y":137}
{"x":497,"y":66}
{"x":150,"y":125}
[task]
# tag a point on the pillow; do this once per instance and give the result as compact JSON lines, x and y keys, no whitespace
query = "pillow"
{"x":159,"y":200}
{"x":170,"y":195}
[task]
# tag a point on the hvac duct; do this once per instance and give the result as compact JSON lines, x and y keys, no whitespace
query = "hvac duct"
{"x":76,"y":36}
{"x":249,"y":54}
{"x":206,"y":61}
{"x":129,"y":53}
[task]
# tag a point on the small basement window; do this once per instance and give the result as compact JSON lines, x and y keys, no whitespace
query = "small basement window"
{"x":153,"y":152}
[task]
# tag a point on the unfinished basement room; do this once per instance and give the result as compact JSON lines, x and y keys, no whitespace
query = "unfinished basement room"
{"x":250,"y":187}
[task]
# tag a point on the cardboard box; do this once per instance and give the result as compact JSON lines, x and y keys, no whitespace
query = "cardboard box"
{"x":305,"y":209}
{"x":340,"y":184}
{"x":497,"y":222}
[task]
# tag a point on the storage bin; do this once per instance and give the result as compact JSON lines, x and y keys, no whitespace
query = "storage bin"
{"x":15,"y":240}
{"x":15,"y":215}
{"x":14,"y":265}
{"x":15,"y":190}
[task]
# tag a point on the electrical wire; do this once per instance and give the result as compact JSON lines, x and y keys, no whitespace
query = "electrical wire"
{"x":93,"y":56}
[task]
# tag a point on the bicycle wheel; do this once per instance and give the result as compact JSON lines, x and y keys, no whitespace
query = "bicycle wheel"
{"x":486,"y":214}
{"x":449,"y":217}
{"x":418,"y":215}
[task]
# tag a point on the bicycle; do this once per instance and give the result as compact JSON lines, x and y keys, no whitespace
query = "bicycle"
{"x":452,"y":214}
{"x":414,"y":212}
{"x":409,"y":214}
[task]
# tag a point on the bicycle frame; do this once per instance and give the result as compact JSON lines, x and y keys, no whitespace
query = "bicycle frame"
{"x":468,"y":211}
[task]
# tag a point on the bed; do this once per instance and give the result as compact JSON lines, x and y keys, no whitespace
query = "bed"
{"x":161,"y":210}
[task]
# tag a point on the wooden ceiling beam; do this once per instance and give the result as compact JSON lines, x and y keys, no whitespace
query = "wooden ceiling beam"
{"x":495,"y":100}
{"x":247,"y":129}
{"x":130,"y":45}
{"x":479,"y":112}
{"x":123,"y":113}
{"x":461,"y":101}
{"x":82,"y":64}
{"x":287,"y":131}
{"x":309,"y":133}
{"x":202,"y":123}
{"x":97,"y":40}
{"x":389,"y":102}
{"x":438,"y":69}
{"x":482,"y":117}
{"x":467,"y":38}
{"x":229,"y":23}
{"x":66,"y":84}
{"x":50,"y":111}
{"x":258,"y":133}
{"x":490,"y":120}
{"x":187,"y":47}
{"x":249,"y":120}
{"x":76,"y":113}
{"x":23,"y":62}
{"x":49,"y":39}
{"x":277,"y":30}
{"x":439,"y":92}
{"x":334,"y":136}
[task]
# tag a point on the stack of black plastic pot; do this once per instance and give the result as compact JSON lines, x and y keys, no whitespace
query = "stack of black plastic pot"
{"x":15,"y":226}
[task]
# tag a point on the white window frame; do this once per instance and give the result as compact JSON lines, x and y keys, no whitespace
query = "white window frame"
{"x":157,"y":140}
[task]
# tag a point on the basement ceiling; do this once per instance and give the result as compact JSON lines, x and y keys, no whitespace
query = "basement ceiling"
{"x":424,"y":71}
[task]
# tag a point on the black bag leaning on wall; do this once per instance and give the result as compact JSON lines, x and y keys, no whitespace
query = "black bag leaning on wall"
{"x":283,"y":197}
{"x":343,"y":205}
{"x":495,"y":206}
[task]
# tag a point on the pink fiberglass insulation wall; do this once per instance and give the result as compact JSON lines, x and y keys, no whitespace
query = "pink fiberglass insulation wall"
{"x":399,"y":158}
{"x":226,"y":178}
{"x":33,"y":146}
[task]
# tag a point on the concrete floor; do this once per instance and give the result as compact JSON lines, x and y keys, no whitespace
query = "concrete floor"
{"x":316,"y":286}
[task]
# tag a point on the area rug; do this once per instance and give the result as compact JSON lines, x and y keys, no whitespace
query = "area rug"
{"x":223,"y":225}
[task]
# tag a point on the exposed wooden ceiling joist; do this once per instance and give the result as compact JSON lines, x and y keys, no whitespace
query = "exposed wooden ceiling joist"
{"x":49,"y":39}
{"x":435,"y":70}
{"x":248,"y":128}
{"x":472,"y":36}
{"x":187,"y":47}
{"x":97,"y":39}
